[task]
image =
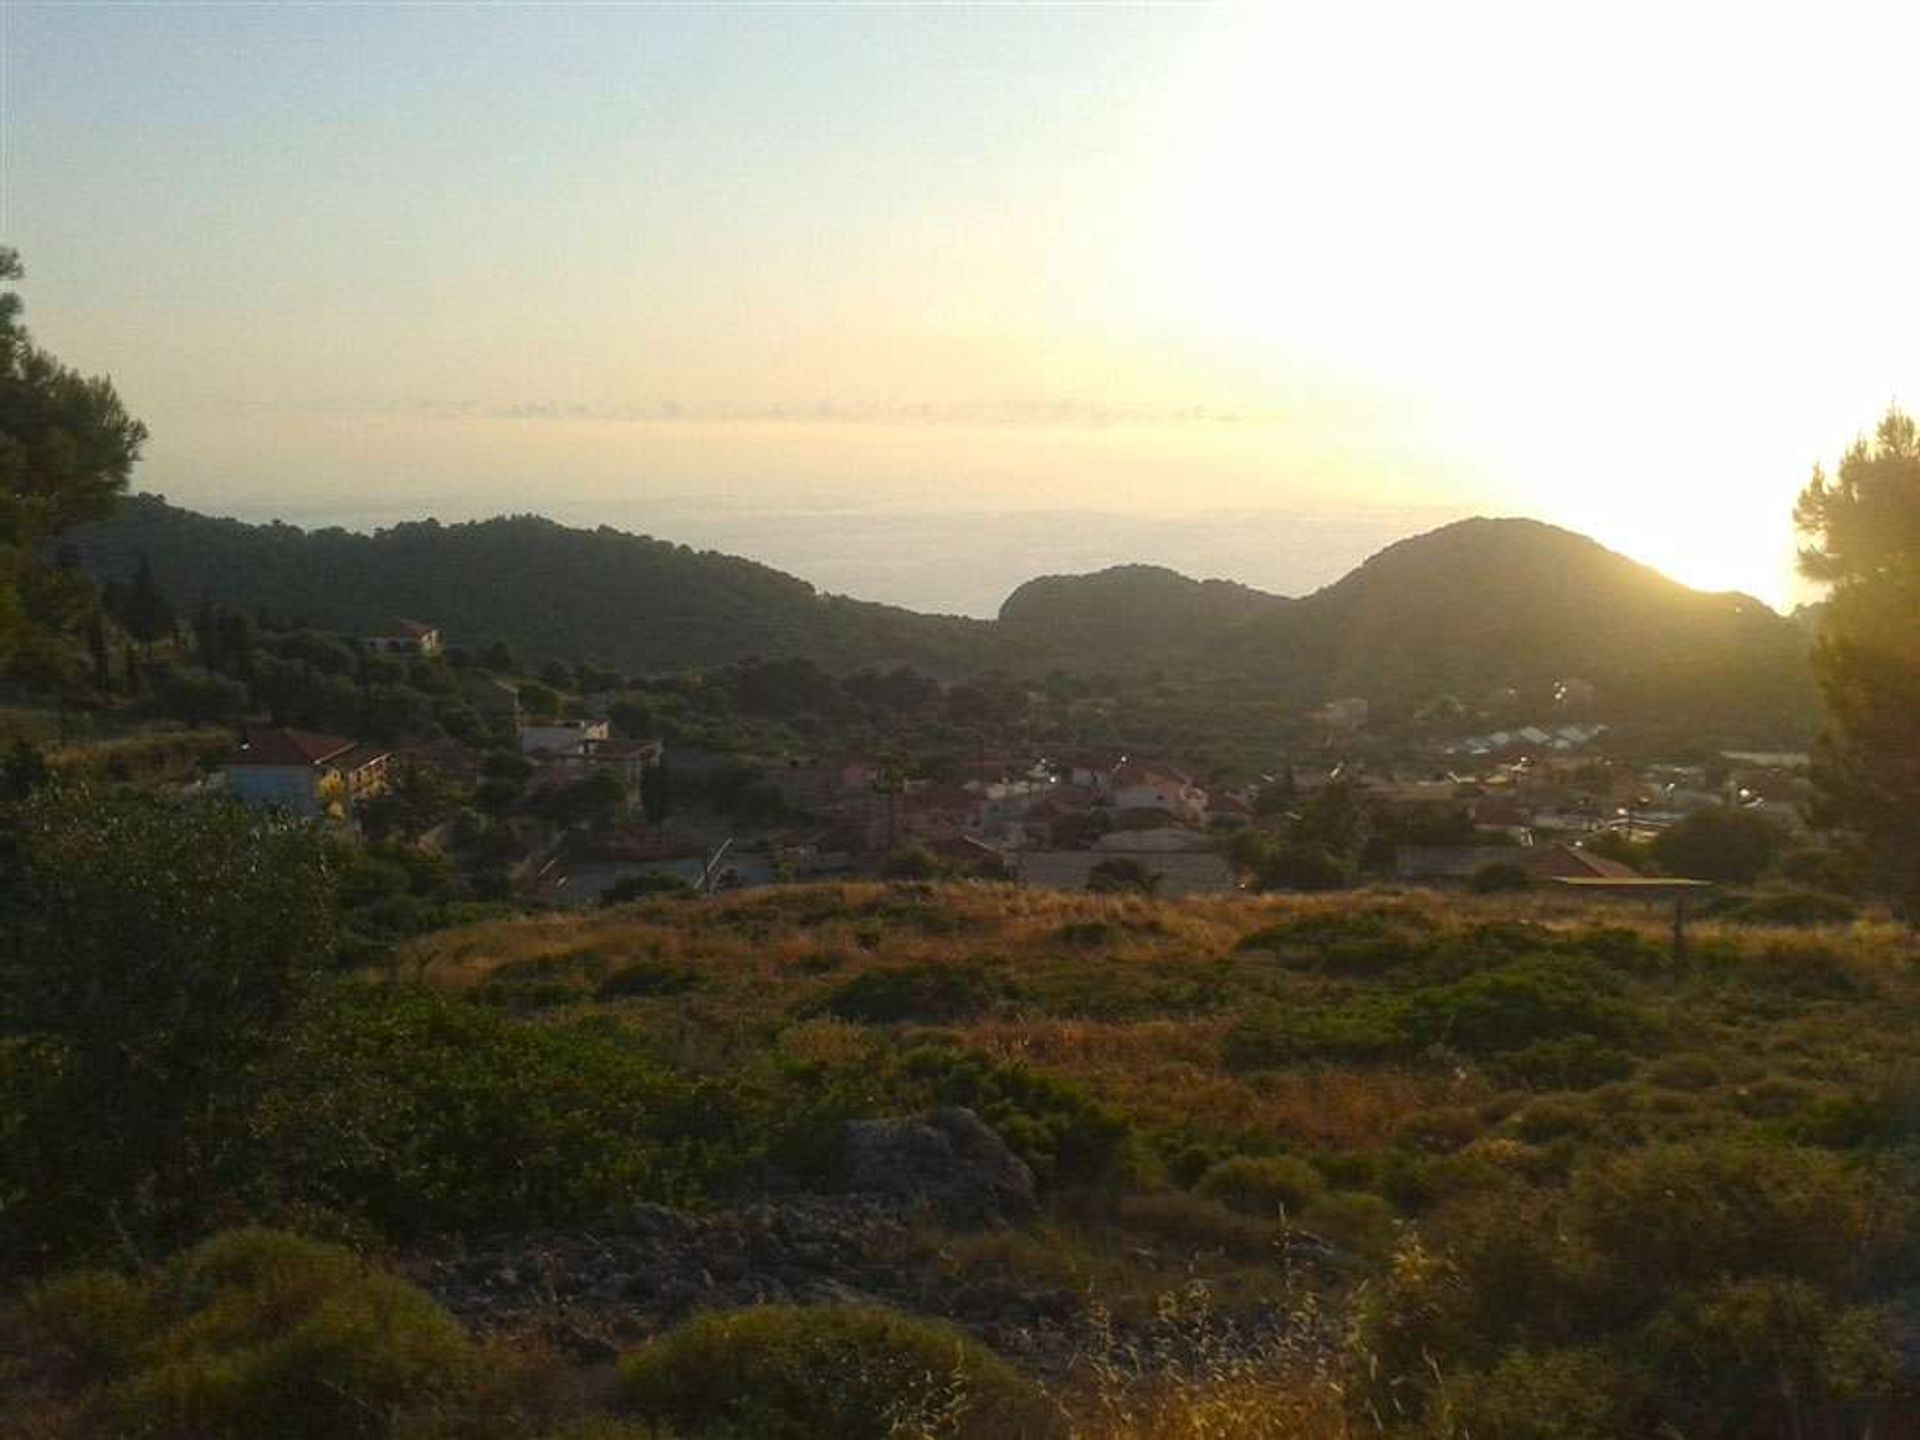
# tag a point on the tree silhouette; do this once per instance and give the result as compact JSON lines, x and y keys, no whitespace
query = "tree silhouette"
{"x":1864,"y":531}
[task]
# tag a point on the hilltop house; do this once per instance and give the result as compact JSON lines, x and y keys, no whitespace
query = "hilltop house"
{"x":561,"y":739}
{"x":404,"y":637}
{"x":1457,"y":864}
{"x":310,"y":774}
{"x":1134,"y":786}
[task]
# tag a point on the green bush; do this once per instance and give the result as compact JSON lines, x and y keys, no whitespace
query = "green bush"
{"x":1533,"y":1395}
{"x":1756,"y":1358}
{"x":1516,"y":1006}
{"x":1355,"y":1221}
{"x":94,"y":1319}
{"x":1687,"y":1213}
{"x":1195,"y":1223}
{"x":425,"y":1114}
{"x":649,"y":977}
{"x":1578,"y":1062}
{"x":1549,"y":1118}
{"x":1501,"y":877}
{"x":1362,"y":943}
{"x":1500,"y":1012}
{"x":1067,"y":1137}
{"x":1265,"y":1186}
{"x":782,"y":1372}
{"x":927,"y":993}
{"x":1367,"y":1027}
{"x":256,"y":1335}
{"x":1794,"y":907}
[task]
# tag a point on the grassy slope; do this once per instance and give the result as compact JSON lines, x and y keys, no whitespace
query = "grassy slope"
{"x":1134,"y":997}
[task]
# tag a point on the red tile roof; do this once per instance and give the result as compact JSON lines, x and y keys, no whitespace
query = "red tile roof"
{"x":277,"y":746}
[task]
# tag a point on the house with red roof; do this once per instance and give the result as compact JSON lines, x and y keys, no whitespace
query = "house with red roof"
{"x":1134,"y":785}
{"x":403,"y":637}
{"x":314,"y":775}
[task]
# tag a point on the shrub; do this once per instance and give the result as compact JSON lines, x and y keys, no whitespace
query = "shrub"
{"x":257,"y":1334}
{"x":424,"y":1113}
{"x":1301,"y":865}
{"x":1533,"y":1395}
{"x":1196,"y":1223}
{"x":1729,"y":846}
{"x":1688,"y":1071}
{"x":781,"y":1372}
{"x":1795,"y":907}
{"x":1067,"y":1137}
{"x":1367,"y":1027}
{"x":649,"y":977}
{"x":1745,"y":1359}
{"x":1516,"y":1006}
{"x":1549,"y":1119}
{"x":1676,"y":1214}
{"x":648,"y":885}
{"x":94,"y":1319}
{"x":1122,"y":875}
{"x":1498,"y":878}
{"x":1264,"y":1186}
{"x":1578,"y":1062}
{"x":156,"y":952}
{"x":1359,"y":1222}
{"x":1362,"y":942}
{"x":929,"y":993}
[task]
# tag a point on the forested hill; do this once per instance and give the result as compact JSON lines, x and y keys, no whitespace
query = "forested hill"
{"x":548,"y":590}
{"x":1467,"y":608}
{"x":1483,"y":603}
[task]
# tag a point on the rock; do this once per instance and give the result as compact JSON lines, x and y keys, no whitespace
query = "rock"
{"x":949,"y":1161}
{"x":657,"y":1222}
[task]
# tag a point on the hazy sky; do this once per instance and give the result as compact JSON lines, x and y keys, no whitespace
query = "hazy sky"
{"x":1162,"y":279}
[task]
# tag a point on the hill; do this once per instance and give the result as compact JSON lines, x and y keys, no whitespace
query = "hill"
{"x":601,"y":595}
{"x":1122,"y":614}
{"x":1471,"y":607}
{"x":1483,"y":604}
{"x":1265,"y":1167}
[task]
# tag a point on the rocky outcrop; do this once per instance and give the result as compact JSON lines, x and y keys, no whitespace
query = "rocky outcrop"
{"x":949,"y":1162}
{"x":595,"y":1292}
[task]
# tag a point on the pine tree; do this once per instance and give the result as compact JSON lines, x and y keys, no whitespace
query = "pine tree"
{"x":1864,"y":528}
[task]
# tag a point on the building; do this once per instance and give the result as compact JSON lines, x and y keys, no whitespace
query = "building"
{"x":307,"y":773}
{"x":496,"y":701}
{"x":1458,"y":864}
{"x":403,"y":637}
{"x":1135,"y":786}
{"x":1347,"y":713}
{"x":561,"y":739}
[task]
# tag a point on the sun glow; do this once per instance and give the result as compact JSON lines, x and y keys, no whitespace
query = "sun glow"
{"x":1549,"y":258}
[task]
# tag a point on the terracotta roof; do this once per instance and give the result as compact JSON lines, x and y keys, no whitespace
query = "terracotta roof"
{"x":623,"y":749}
{"x":940,"y":797}
{"x":361,"y":755}
{"x":265,"y":745}
{"x":411,"y":629}
{"x":1135,"y":772}
{"x":1562,"y":862}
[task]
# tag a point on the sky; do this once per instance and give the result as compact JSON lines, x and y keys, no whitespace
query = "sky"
{"x":920,"y":300}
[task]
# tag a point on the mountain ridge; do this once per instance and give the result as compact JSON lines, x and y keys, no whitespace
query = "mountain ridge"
{"x":1472,"y":605}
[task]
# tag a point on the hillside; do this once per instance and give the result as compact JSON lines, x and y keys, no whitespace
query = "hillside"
{"x":1488,"y":603}
{"x":1119,"y":616}
{"x":600,"y":595}
{"x":1275,"y":1168}
{"x":1464,"y":609}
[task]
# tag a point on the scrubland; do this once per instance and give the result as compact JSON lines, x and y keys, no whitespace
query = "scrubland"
{"x":1368,"y":1164}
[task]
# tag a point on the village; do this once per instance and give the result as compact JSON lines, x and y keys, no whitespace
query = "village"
{"x":556,"y":802}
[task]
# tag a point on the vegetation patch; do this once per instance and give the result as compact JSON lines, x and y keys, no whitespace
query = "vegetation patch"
{"x":781,"y":1372}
